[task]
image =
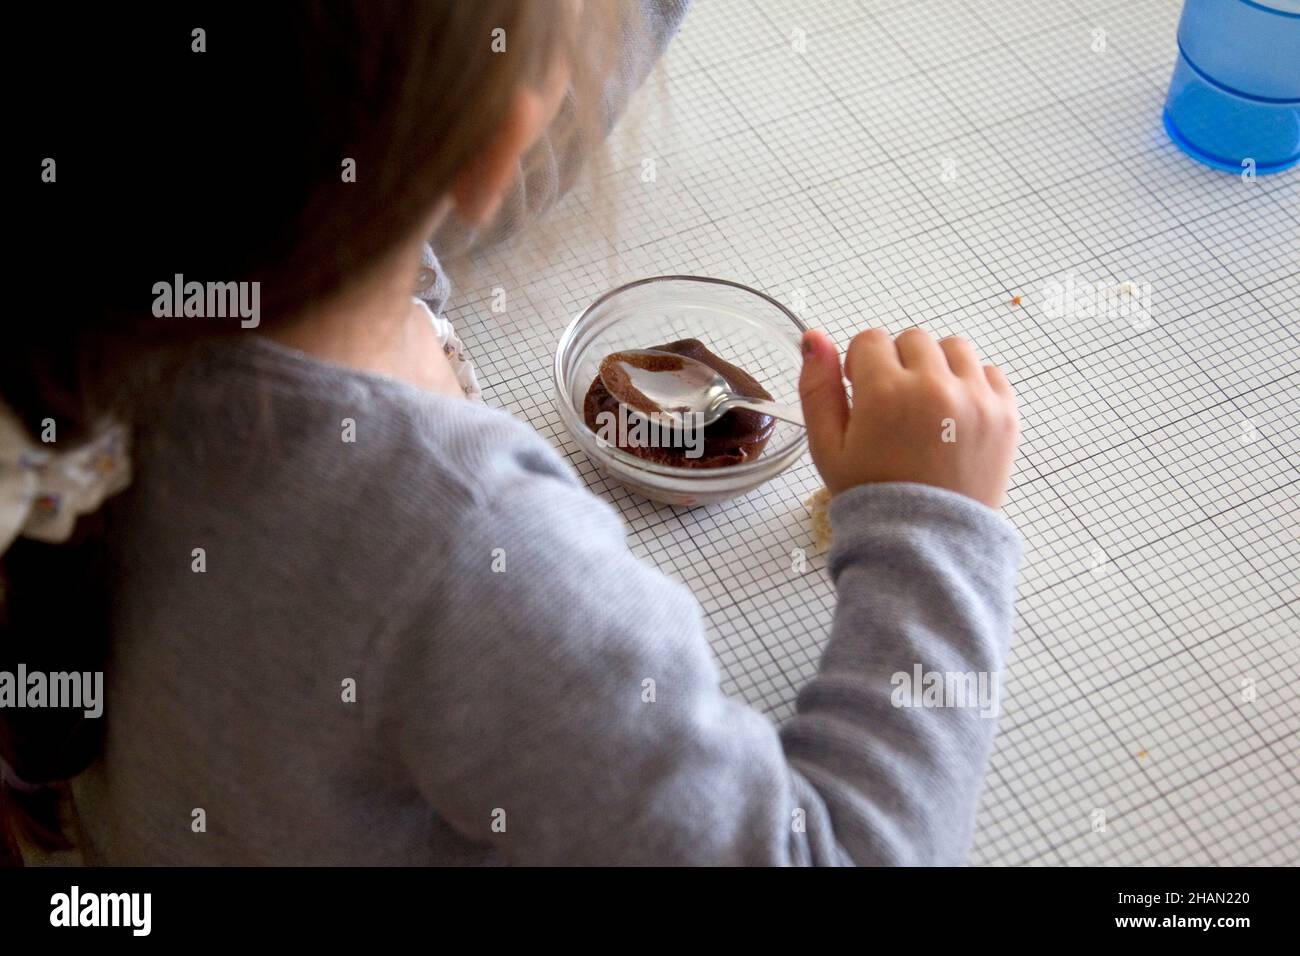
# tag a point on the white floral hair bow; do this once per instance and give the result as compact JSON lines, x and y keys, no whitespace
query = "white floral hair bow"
{"x":43,"y":491}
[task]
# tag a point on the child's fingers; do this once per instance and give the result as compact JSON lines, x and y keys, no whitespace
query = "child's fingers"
{"x":919,"y":351}
{"x":821,"y":392}
{"x":871,"y":354}
{"x":961,"y":357}
{"x":997,"y":380}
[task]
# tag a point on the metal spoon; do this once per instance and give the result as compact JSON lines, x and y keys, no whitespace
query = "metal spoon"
{"x":668,"y":386}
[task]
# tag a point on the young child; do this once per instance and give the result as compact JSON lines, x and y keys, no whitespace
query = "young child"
{"x":307,"y":655}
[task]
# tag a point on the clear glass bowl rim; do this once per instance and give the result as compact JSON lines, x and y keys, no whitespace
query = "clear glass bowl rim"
{"x":761,"y":468}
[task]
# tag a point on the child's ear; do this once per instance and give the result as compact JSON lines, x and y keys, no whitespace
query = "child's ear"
{"x":481,"y":185}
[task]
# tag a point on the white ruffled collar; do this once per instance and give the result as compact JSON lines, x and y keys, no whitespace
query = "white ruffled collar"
{"x":44,"y":490}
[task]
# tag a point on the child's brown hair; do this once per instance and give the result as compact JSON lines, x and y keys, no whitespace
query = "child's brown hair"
{"x":216,"y":142}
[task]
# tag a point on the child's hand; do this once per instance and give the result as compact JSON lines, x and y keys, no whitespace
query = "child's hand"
{"x":923,"y":411}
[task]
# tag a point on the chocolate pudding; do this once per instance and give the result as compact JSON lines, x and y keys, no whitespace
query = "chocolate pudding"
{"x":739,"y":435}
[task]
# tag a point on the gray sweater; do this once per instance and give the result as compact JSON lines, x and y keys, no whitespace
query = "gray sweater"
{"x":431,"y":645}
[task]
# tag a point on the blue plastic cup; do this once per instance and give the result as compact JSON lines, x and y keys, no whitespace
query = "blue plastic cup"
{"x":1234,"y":98}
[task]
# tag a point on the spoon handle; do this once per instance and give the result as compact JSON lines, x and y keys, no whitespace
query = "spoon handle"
{"x":787,"y":413}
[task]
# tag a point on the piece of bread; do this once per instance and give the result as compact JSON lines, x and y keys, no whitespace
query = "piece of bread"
{"x":819,"y":505}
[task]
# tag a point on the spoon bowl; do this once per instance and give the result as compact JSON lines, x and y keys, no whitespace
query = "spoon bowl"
{"x":748,"y":327}
{"x":667,"y":387}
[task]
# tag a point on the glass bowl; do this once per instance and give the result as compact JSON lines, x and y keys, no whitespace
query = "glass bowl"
{"x":739,"y":324}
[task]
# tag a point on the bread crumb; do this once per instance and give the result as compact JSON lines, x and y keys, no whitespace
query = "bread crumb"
{"x":819,"y":504}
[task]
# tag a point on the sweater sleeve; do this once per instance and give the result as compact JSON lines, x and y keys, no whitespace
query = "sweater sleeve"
{"x":554,"y":697}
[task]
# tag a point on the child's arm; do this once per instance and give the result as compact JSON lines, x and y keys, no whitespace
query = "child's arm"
{"x":554,"y":697}
{"x":924,"y":579}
